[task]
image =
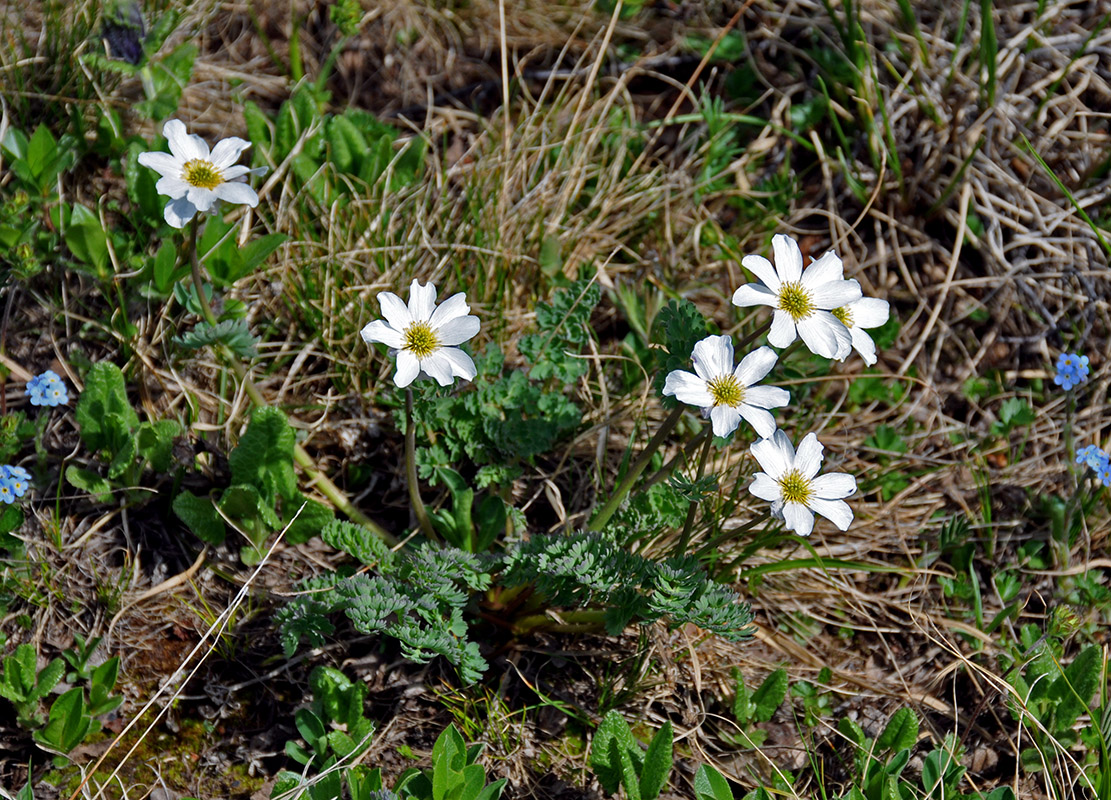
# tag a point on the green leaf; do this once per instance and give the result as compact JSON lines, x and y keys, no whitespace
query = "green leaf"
{"x":232,"y":332}
{"x":308,"y":522}
{"x":1073,"y":689}
{"x":156,"y":443}
{"x":357,"y":542}
{"x":90,"y":482}
{"x":86,"y":239}
{"x":852,"y":731}
{"x":264,"y":456}
{"x":201,"y":517}
{"x":611,"y":737}
{"x":245,"y":505}
{"x":770,"y":695}
{"x":169,"y":77}
{"x":41,"y":156}
{"x":103,"y":407}
{"x":68,"y":723}
{"x":709,"y":784}
{"x":657,"y":763}
{"x":901,"y":732}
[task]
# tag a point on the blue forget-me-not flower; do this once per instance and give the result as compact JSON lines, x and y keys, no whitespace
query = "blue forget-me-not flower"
{"x":47,"y":389}
{"x":14,"y":482}
{"x":1072,"y":369}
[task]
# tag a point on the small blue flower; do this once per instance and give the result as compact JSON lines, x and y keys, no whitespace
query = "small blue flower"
{"x":1092,"y":456}
{"x":7,"y":494}
{"x":47,"y":389}
{"x":19,"y":479}
{"x":1072,"y":369}
{"x":1104,"y":474}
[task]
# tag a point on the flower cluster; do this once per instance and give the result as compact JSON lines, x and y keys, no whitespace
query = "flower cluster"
{"x":1096,"y":460}
{"x":195,"y":178}
{"x":1072,"y":370}
{"x":47,"y":389}
{"x":14,"y":482}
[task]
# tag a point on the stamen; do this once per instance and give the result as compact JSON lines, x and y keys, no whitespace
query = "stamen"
{"x":420,"y":340}
{"x":726,"y":391}
{"x":795,"y":488}
{"x":843,"y":315}
{"x":795,"y":300}
{"x":202,"y":174}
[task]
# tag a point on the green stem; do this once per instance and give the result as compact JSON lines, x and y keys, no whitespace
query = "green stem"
{"x":585,"y":620}
{"x":678,"y":458}
{"x":411,"y":470}
{"x":692,"y":512}
{"x":602,"y":517}
{"x":317,"y":478}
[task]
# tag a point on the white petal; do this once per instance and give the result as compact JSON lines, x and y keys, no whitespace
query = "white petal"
{"x":753,"y":294}
{"x":182,"y":145}
{"x":863,"y":344}
{"x":395,"y":311}
{"x":761,"y":421}
{"x":724,"y":420}
{"x":767,"y":397}
{"x":836,"y":511}
{"x":235,"y":172}
{"x":823,"y":270}
{"x":162,"y":163}
{"x":457,"y":330}
{"x":408,"y":368}
{"x":763,"y":270}
{"x":834,"y":294}
{"x":172,"y":187}
{"x":825,"y":335}
{"x":438,"y":367}
{"x":798,"y":518}
{"x":788,"y":258}
{"x":202,"y":198}
{"x":869,"y":312}
{"x":422,"y":301}
{"x":808,"y":458}
{"x":775,"y":455}
{"x":713,"y":357}
{"x":462,"y":366}
{"x":755,"y":366}
{"x":179,"y":211}
{"x":455,"y":306}
{"x":833,"y":485}
{"x":237,"y":193}
{"x":379,"y":331}
{"x":764,"y":487}
{"x":227,"y":152}
{"x":782,"y":332}
{"x":688,"y":388}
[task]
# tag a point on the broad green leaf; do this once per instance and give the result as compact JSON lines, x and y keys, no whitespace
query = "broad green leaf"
{"x":308,"y":523}
{"x":657,"y":763}
{"x":901,"y":732}
{"x":86,"y":239}
{"x":769,"y":696}
{"x":264,"y":456}
{"x":1073,"y":689}
{"x":105,"y":394}
{"x":42,"y":153}
{"x":156,"y":443}
{"x":709,"y":784}
{"x":201,"y":517}
{"x":90,"y":482}
{"x":68,"y":723}
{"x":613,"y":730}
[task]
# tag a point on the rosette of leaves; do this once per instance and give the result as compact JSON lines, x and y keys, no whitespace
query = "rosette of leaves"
{"x":263,"y":497}
{"x":111,"y":429}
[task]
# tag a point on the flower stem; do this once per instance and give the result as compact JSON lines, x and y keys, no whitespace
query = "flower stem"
{"x":692,"y":512}
{"x":411,"y":470}
{"x":602,"y":517}
{"x":317,"y":478}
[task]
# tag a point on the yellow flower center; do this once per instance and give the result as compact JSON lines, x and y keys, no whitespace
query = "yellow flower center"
{"x":726,"y":391}
{"x":844,"y":316}
{"x":795,"y":488}
{"x":202,"y":174}
{"x":795,"y":300}
{"x":420,"y":340}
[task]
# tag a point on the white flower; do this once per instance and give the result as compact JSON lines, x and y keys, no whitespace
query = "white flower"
{"x":195,"y":179}
{"x":726,"y":394}
{"x":802,"y":299}
{"x":867,"y":312}
{"x":424,"y":335}
{"x":788,"y":482}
